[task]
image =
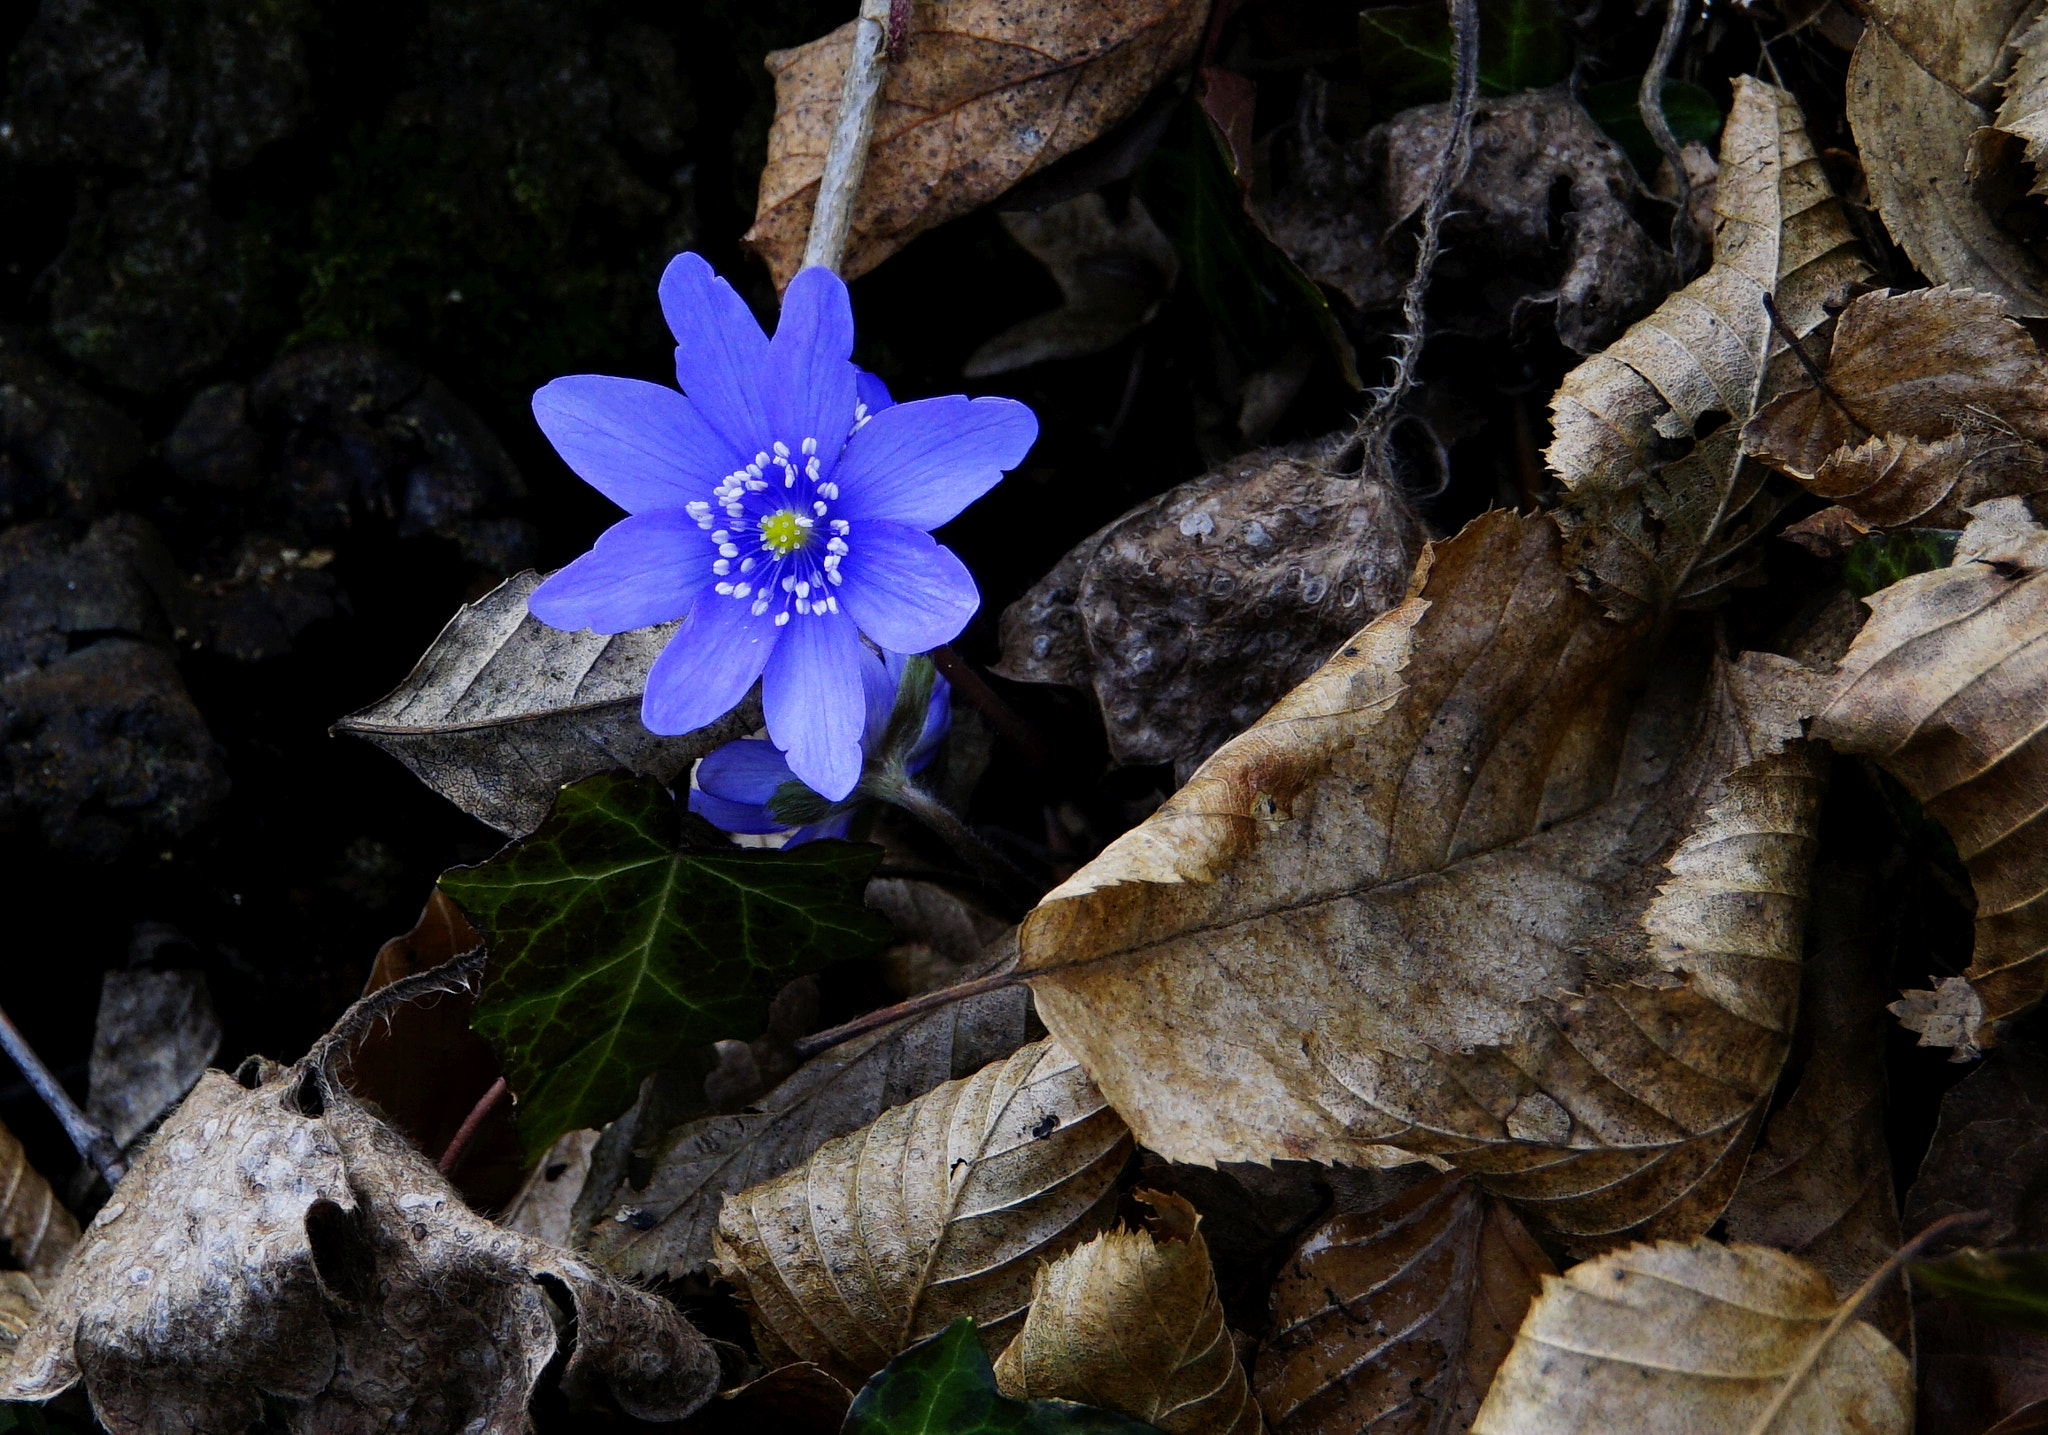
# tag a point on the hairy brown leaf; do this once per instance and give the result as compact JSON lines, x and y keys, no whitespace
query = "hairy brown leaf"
{"x":1418,"y":905}
{"x":1944,"y":687}
{"x":1395,"y":1319}
{"x":1131,"y":1322}
{"x":985,"y":93}
{"x":1922,"y":85}
{"x":1660,"y":501}
{"x":1935,"y":402}
{"x":941,"y":1208}
{"x":1674,"y":1339}
{"x":36,"y":1232}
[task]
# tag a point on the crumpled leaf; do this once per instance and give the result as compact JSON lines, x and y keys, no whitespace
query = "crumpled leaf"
{"x":616,"y":942}
{"x":1935,"y":402}
{"x":2024,"y":110}
{"x":19,"y":1303}
{"x":943,"y":1386}
{"x":1191,"y":614}
{"x":36,"y":1232}
{"x":153,"y":1036}
{"x":502,"y":710}
{"x":1131,"y":1322}
{"x":276,"y":1242}
{"x":1943,"y":688}
{"x":1396,"y":1318}
{"x":665,"y":1228}
{"x":1417,"y":905}
{"x":1661,"y":502}
{"x":1693,"y":1338}
{"x":1113,"y":276}
{"x":1922,"y":85}
{"x":941,"y":1208}
{"x":984,"y":94}
{"x":545,"y":1206}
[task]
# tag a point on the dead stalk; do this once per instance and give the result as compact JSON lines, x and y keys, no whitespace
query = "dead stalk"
{"x":92,"y":1143}
{"x":1650,"y":105}
{"x":847,"y":158}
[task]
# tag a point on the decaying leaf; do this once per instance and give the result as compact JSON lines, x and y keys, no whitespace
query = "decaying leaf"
{"x":1396,"y":1318}
{"x":1131,"y":1322}
{"x":1944,"y":687}
{"x":36,"y":1232}
{"x":1693,"y":1338}
{"x":20,"y":1302}
{"x":1191,"y":614}
{"x":1418,"y":905}
{"x":615,"y":943}
{"x":154,"y":1034}
{"x":1922,"y":86}
{"x":941,"y":1208}
{"x":503,"y":710}
{"x":275,"y":1242}
{"x":984,"y":94}
{"x":944,"y":1386}
{"x":2024,"y":111}
{"x":545,"y":1207}
{"x":1113,"y":276}
{"x":665,"y":1228}
{"x":1661,"y":501}
{"x":1935,"y":402}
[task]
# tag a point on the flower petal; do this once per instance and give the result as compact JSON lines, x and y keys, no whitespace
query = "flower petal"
{"x":938,"y":721}
{"x":922,"y":462}
{"x":809,"y":380}
{"x":870,"y":390}
{"x":647,"y":568}
{"x":639,"y":444}
{"x":707,"y":666}
{"x":729,"y":816}
{"x":830,"y":827}
{"x":903,"y":589}
{"x":748,"y":770}
{"x":720,"y":351}
{"x":812,"y":697}
{"x":879,"y":679}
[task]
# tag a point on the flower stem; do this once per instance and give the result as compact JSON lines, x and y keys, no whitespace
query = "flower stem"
{"x":846,"y":158}
{"x":92,"y":1143}
{"x":458,"y":1145}
{"x":902,"y":791}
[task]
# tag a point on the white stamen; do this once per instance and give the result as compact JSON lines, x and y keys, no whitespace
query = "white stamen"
{"x":728,"y":550}
{"x":832,"y":604}
{"x":782,"y":618}
{"x":803,"y":590}
{"x":811,"y":470}
{"x":721,"y":536}
{"x":789,"y":585}
{"x":760,"y":606}
{"x":810,"y":445}
{"x":819,"y":508}
{"x":836,"y":576}
{"x":803,"y":522}
{"x":781,"y":449}
{"x":740,"y":590}
{"x":802,"y":606}
{"x":746,"y":565}
{"x":722,"y":589}
{"x":721,"y":567}
{"x":837,"y":545}
{"x":841,"y":527}
{"x":828,"y":490}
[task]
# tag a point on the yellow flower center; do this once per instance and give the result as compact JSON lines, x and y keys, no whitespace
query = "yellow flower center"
{"x":782,"y":535}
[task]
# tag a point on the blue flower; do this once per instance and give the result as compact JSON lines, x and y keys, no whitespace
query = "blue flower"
{"x":737,"y":785}
{"x":783,"y":509}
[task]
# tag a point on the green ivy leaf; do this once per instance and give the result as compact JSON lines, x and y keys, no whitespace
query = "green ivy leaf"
{"x":1882,"y":559}
{"x":1523,"y":45}
{"x":2010,"y":1287}
{"x":1688,"y":109}
{"x":615,"y":945}
{"x":945,"y":1386}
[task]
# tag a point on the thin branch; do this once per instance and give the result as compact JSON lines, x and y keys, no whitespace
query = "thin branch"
{"x":1650,"y":105}
{"x":846,"y":159}
{"x":93,"y":1144}
{"x":1820,"y":380}
{"x":967,"y":683}
{"x":458,"y":1144}
{"x":454,"y":975}
{"x":809,"y":1046}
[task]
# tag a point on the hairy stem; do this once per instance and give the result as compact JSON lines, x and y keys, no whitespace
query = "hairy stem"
{"x":901,"y":790}
{"x":92,"y":1143}
{"x":846,"y":159}
{"x":454,"y":975}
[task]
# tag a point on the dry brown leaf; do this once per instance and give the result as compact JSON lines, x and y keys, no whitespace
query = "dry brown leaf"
{"x":1935,"y":402}
{"x":985,"y":93}
{"x":941,"y":1208}
{"x":19,"y":1303}
{"x":36,"y":1233}
{"x":1417,"y":905}
{"x":1131,"y":1322}
{"x":1921,"y":87}
{"x":1676,"y":1339}
{"x":276,"y":1240}
{"x":2024,"y":111}
{"x":1944,"y":687}
{"x":1395,"y":1319}
{"x":1660,"y":500}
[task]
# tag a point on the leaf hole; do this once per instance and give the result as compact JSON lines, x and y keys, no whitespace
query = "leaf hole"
{"x":1709,"y":421}
{"x":342,"y":1258}
{"x":309,"y":1096}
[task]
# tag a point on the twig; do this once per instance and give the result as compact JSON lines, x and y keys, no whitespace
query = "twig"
{"x":1377,"y":425}
{"x":1797,"y":1376}
{"x":1650,"y":105}
{"x":809,"y":1046}
{"x":986,"y":700}
{"x":1820,"y":380}
{"x":846,"y":159}
{"x":92,"y":1143}
{"x":458,"y":1144}
{"x":453,"y":975}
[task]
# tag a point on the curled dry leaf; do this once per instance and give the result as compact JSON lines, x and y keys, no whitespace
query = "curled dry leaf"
{"x":277,"y":1242}
{"x":1921,"y":89}
{"x":1691,"y":1338}
{"x":35,"y":1231}
{"x":1935,"y":402}
{"x":2024,"y":111}
{"x":940,"y":1209}
{"x":1944,"y":687}
{"x":1192,"y":613}
{"x":503,"y":710}
{"x":665,"y":1228}
{"x":1418,"y":905}
{"x":1396,"y":1318}
{"x":1660,"y":502}
{"x":19,"y":1303}
{"x":1131,"y":1322}
{"x":984,"y":94}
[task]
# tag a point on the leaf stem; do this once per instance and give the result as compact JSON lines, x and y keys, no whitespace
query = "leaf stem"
{"x":92,"y":1143}
{"x":453,"y":975}
{"x":458,"y":1144}
{"x":809,"y":1046}
{"x":846,"y":158}
{"x":901,"y":790}
{"x":1811,"y":1360}
{"x":1650,"y":105}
